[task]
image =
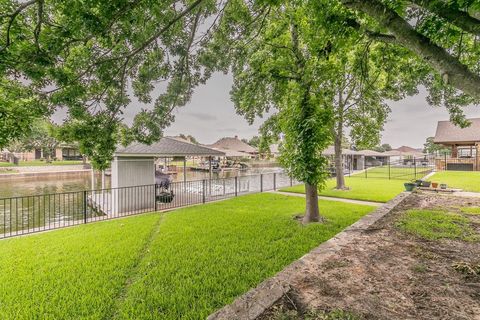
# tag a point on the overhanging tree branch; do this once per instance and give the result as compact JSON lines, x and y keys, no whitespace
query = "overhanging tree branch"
{"x":12,"y":16}
{"x":451,"y":69}
{"x":459,"y":18}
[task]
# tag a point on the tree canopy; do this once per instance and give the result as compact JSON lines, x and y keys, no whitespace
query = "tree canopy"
{"x":94,"y":58}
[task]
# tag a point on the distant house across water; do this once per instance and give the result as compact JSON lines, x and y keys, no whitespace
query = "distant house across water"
{"x":62,"y":152}
{"x":234,"y":144}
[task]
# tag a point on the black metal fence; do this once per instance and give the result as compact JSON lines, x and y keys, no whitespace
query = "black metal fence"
{"x":404,"y":169}
{"x":461,"y":163}
{"x":28,"y":214}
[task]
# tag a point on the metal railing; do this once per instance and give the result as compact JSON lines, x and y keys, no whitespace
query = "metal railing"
{"x":460,"y":163}
{"x":29,"y":214}
{"x":404,"y":169}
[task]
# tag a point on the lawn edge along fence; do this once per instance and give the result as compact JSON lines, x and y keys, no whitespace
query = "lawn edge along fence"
{"x":30,"y":214}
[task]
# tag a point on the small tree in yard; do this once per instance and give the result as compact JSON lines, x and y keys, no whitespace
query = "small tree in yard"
{"x":384,"y":147}
{"x":430,"y":147}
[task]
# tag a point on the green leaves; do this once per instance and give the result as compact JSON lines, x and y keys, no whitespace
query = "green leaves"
{"x":88,"y":55}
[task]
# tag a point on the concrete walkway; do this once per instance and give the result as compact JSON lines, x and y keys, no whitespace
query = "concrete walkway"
{"x":362,"y":202}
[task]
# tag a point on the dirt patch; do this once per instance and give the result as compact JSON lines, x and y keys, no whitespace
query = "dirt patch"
{"x":390,"y":274}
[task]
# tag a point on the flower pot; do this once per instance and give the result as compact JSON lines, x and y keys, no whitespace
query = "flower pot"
{"x":443,"y":186}
{"x":418,"y":183}
{"x":426,"y":184}
{"x":409,"y":186}
{"x":434,"y":184}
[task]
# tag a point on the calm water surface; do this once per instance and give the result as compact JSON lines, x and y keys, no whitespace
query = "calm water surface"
{"x":14,"y":187}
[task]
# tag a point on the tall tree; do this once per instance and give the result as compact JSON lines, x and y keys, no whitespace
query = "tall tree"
{"x":281,"y":62}
{"x":367,"y":74}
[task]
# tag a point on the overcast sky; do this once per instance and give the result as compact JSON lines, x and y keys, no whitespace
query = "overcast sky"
{"x":210,"y":115}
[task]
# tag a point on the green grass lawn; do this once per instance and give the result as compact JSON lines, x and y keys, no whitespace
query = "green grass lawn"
{"x":436,"y":225}
{"x":36,"y":163}
{"x":182,"y":264}
{"x":371,"y":189}
{"x":466,"y":180}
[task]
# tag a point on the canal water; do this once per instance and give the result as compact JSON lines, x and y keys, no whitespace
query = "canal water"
{"x":15,"y":187}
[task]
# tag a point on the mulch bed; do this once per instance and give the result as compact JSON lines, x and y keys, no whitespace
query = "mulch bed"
{"x":388,"y":274}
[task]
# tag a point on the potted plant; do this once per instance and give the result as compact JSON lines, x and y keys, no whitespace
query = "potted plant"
{"x":409,"y":186}
{"x":435,"y":185}
{"x":418,"y":183}
{"x":426,"y":184}
{"x":443,"y":186}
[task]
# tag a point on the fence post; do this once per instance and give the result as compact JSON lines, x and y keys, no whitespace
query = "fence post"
{"x":366,"y":172}
{"x":155,"y":196}
{"x":291,"y":181}
{"x":236,"y":190}
{"x":261,"y":182}
{"x":388,"y":162}
{"x":415,"y":167}
{"x":203,"y":190}
{"x":274,"y":181}
{"x":85,"y":206}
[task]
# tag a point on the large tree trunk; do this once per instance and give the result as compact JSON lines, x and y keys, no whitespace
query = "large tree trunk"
{"x":450,"y":68}
{"x":312,"y":214}
{"x":338,"y":132}
{"x":339,"y":174}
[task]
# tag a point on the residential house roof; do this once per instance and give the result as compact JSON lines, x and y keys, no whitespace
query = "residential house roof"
{"x":406,"y":149}
{"x":233,"y":153}
{"x":233,"y":143}
{"x":330,"y":151}
{"x":372,"y":153}
{"x":447,"y":132}
{"x":166,"y":147}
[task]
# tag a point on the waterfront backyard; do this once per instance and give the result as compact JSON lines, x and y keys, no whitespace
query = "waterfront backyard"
{"x":181,"y":264}
{"x":188,"y":263}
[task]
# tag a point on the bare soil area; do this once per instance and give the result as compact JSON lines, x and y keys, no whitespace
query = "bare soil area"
{"x":390,"y":274}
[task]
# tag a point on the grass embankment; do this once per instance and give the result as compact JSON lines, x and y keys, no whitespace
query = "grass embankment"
{"x":371,"y":189}
{"x":39,"y":163}
{"x":184,"y":264}
{"x":466,"y":180}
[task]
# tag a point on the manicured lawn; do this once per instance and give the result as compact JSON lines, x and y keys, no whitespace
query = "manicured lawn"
{"x":466,"y":180}
{"x":182,"y":264}
{"x":370,"y":189}
{"x":36,"y":163}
